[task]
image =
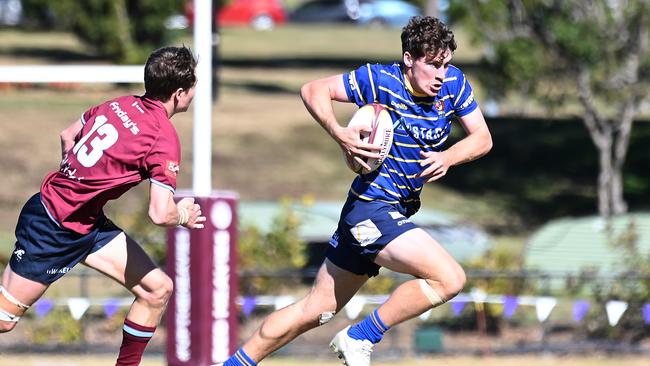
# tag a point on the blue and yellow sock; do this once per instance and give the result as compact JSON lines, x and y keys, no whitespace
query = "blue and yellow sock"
{"x":240,"y":358}
{"x":370,"y":328}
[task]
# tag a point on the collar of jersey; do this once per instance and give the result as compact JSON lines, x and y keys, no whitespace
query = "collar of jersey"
{"x":409,"y":88}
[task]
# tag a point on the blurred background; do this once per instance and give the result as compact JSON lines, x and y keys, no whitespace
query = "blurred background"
{"x":552,"y":226}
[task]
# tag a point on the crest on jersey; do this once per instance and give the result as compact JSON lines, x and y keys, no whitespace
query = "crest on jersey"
{"x":172,"y":168}
{"x":440,"y":106}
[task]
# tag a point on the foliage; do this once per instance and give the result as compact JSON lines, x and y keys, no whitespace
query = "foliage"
{"x":123,"y":30}
{"x":58,"y":327}
{"x":563,"y":52}
{"x":278,"y":249}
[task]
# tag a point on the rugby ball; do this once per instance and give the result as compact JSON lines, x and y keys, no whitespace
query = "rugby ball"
{"x":380,"y":126}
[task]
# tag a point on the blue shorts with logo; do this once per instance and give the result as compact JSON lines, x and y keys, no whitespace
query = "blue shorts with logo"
{"x":45,"y":251}
{"x":364,"y":229}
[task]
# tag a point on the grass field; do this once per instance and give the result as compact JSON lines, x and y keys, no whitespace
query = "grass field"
{"x":540,"y":360}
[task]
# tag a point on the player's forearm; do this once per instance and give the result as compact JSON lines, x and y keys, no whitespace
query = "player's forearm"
{"x":472,"y":147}
{"x":66,"y":145}
{"x":68,"y":136}
{"x":318,"y":103}
{"x":167,"y":216}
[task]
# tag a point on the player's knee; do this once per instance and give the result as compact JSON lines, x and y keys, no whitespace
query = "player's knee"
{"x":159,"y":292}
{"x":453,"y":283}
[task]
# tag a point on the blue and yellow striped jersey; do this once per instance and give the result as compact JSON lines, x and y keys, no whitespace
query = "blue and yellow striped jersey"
{"x":419,"y":123}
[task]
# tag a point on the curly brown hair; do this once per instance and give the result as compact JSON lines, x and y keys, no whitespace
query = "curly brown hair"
{"x":426,"y":36}
{"x":168,"y":69}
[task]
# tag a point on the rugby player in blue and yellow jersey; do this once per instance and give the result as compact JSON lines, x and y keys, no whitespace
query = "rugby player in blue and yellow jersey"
{"x":423,"y":94}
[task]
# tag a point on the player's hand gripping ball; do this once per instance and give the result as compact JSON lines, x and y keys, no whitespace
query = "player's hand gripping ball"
{"x":380,"y":127}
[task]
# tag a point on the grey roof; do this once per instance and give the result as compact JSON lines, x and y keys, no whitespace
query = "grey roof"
{"x":570,"y":245}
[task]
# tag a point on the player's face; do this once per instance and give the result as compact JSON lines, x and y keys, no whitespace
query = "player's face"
{"x":426,"y":74}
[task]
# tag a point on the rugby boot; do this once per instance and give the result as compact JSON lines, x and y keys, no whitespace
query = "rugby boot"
{"x":352,"y":352}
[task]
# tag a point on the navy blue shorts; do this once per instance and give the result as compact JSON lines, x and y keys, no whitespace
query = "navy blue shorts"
{"x":45,"y":251}
{"x":364,"y":229}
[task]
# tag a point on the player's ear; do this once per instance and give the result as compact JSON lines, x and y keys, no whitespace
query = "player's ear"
{"x":177,"y":94}
{"x":408,"y":59}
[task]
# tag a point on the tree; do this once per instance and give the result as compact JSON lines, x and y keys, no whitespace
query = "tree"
{"x":585,"y":52}
{"x":123,"y":30}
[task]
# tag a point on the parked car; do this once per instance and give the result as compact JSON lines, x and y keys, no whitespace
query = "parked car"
{"x":259,"y":14}
{"x":395,"y":13}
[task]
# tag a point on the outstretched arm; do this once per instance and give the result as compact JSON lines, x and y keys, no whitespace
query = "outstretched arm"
{"x":317,"y":96}
{"x":476,"y":144}
{"x":164,"y":211}
{"x":68,"y":137}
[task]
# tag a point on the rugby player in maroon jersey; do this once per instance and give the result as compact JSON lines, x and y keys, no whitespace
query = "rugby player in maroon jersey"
{"x":111,"y":148}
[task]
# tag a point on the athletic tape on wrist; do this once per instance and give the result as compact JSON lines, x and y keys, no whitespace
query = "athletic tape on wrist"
{"x":8,"y":317}
{"x":183,"y":215}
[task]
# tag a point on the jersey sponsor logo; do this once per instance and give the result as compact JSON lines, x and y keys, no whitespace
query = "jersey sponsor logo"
{"x":124,"y":117}
{"x":67,"y":170}
{"x":397,"y":105}
{"x":63,"y":270}
{"x":467,"y":102}
{"x":334,"y":241}
{"x":365,"y":232}
{"x":172,"y":168}
{"x":352,"y":82}
{"x":402,"y":222}
{"x":19,"y":254}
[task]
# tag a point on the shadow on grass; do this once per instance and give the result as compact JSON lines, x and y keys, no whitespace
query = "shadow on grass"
{"x":321,"y":61}
{"x":50,"y":54}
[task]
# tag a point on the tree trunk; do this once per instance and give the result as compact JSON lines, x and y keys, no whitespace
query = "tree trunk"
{"x":605,"y":176}
{"x":127,"y":47}
{"x":610,"y":179}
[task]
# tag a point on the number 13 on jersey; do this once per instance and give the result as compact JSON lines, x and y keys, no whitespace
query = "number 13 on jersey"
{"x":106,"y":137}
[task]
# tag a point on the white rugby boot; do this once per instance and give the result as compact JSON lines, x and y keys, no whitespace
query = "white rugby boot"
{"x":352,"y":352}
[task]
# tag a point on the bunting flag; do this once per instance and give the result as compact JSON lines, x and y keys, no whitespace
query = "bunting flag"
{"x":646,"y":313}
{"x":43,"y":306}
{"x":580,"y":309}
{"x":248,"y":305}
{"x":111,"y":306}
{"x":510,"y":304}
{"x":457,"y":307}
{"x":615,"y":310}
{"x":78,"y":306}
{"x":354,"y":306}
{"x":544,"y":306}
{"x":478,"y":295}
{"x":282,"y":301}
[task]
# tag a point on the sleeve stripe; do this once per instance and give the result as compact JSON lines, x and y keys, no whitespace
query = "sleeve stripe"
{"x":161,"y":184}
{"x":356,"y":85}
{"x":83,"y":120}
{"x":372,"y":83}
{"x":460,"y":94}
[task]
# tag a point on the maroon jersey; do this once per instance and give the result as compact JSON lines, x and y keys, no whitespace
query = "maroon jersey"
{"x":122,"y":142}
